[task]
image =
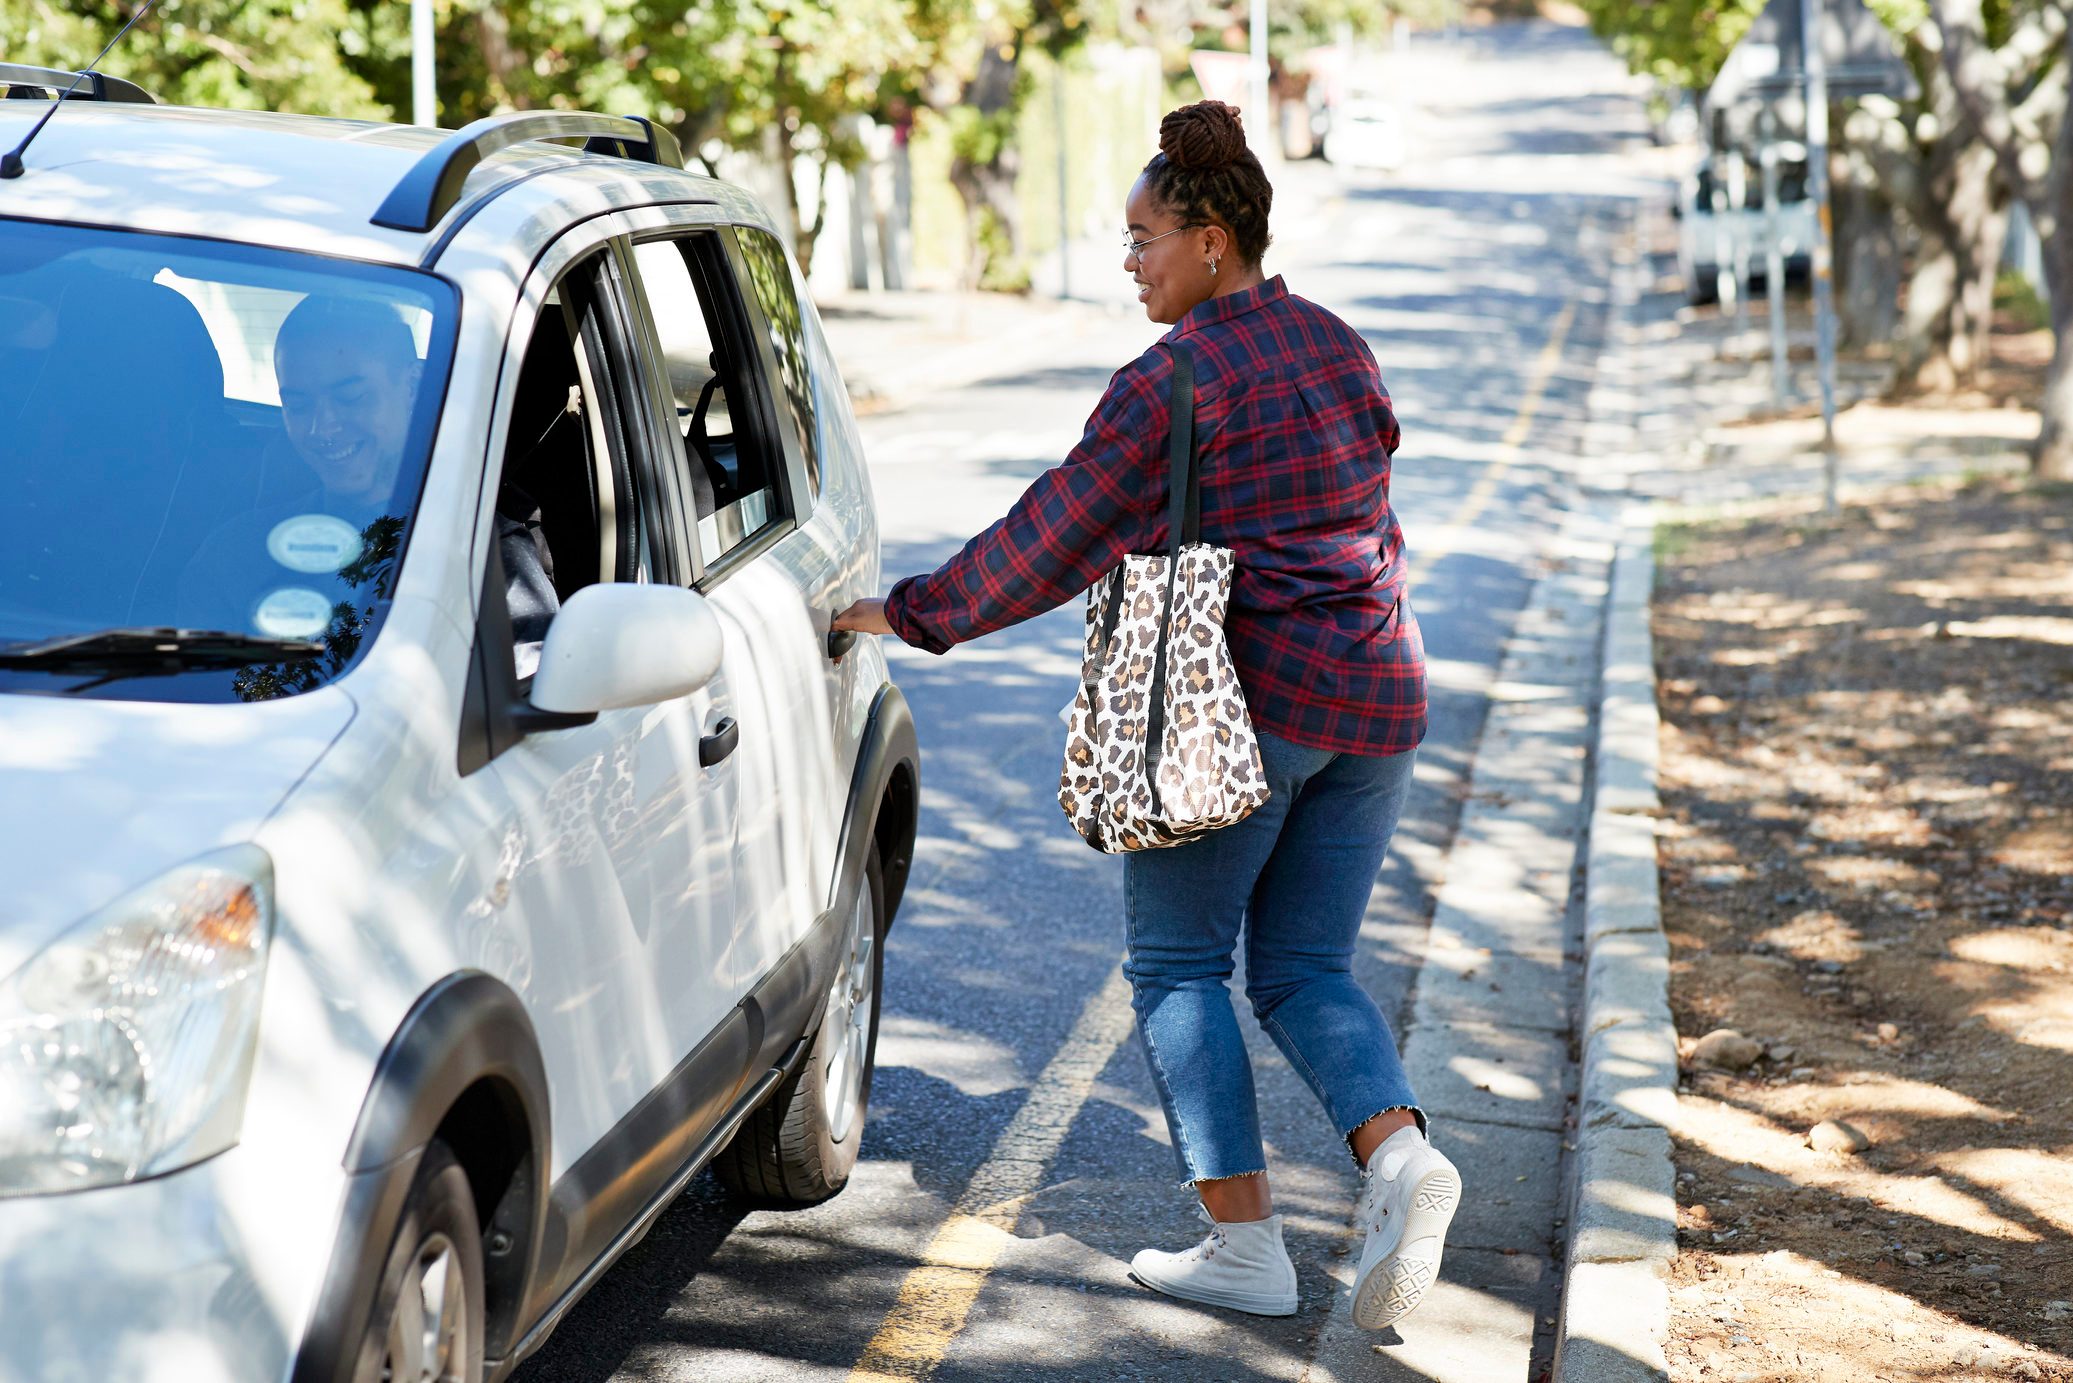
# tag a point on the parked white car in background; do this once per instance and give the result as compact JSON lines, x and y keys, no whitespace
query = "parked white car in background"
{"x":437,"y":818}
{"x":1709,"y":241}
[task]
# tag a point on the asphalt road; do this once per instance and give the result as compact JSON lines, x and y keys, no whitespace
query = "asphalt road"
{"x":1479,"y":275}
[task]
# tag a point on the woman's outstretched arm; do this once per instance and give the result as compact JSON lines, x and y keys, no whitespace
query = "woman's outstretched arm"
{"x":1074,"y":522}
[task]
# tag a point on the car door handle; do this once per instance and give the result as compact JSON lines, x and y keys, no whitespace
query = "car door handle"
{"x":720,"y":743}
{"x":840,"y":641}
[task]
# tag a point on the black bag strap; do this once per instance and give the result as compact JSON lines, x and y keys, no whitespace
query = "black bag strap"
{"x":1184,"y":502}
{"x":1184,"y":525}
{"x":1184,"y":507}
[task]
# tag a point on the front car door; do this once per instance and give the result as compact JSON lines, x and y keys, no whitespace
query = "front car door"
{"x":613,"y":894}
{"x":739,"y":458}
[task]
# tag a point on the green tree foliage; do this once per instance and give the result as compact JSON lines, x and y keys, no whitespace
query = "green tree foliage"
{"x":983,"y":107}
{"x":259,"y":55}
{"x":1680,"y":43}
{"x":785,"y":77}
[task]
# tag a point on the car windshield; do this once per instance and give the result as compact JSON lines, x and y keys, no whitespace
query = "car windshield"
{"x":204,"y":437}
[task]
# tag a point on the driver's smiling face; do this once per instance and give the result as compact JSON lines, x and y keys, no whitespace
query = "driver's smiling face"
{"x":347,"y":411}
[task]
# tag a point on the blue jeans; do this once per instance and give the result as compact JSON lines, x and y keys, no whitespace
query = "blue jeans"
{"x":1295,"y":876}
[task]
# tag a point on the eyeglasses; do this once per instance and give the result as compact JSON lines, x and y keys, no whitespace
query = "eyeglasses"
{"x":1135,"y":247}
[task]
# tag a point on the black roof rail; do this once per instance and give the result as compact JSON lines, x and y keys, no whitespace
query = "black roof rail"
{"x":98,"y":86}
{"x":433,"y":185}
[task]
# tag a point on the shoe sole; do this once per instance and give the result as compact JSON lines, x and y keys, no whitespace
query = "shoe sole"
{"x":1252,"y":1303}
{"x":1393,"y":1288}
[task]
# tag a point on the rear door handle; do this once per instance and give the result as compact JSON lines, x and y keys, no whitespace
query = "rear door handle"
{"x":840,"y":641}
{"x":720,"y":743}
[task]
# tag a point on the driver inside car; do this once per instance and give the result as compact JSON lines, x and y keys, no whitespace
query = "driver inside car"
{"x":348,"y":372}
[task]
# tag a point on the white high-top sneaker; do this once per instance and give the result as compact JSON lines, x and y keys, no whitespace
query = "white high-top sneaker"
{"x":1407,"y":1198}
{"x":1243,"y":1266}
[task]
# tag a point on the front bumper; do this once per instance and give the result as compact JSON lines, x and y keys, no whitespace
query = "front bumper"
{"x":162,"y":1281}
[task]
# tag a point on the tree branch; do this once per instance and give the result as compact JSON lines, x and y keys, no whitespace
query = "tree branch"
{"x":2044,"y":104}
{"x":1981,"y":84}
{"x":231,"y":53}
{"x":1887,"y":145}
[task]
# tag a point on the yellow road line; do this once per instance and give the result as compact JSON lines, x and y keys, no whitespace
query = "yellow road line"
{"x":1478,"y":497}
{"x":937,"y":1294}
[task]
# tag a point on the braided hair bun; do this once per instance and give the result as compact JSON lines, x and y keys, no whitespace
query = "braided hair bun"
{"x":1206,"y":135}
{"x":1205,"y":174}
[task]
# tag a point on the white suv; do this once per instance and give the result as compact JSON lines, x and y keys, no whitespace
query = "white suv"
{"x":437,"y":820}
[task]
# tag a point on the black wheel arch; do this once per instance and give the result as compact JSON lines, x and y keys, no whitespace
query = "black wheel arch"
{"x":464,"y":1068}
{"x":884,"y":808}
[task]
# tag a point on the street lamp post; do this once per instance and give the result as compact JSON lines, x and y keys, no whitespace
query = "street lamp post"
{"x":424,"y":99}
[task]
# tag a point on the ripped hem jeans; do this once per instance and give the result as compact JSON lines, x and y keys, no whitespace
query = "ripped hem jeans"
{"x":1292,"y":881}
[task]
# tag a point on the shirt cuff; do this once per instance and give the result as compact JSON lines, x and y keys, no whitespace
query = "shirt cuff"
{"x":911,"y":630}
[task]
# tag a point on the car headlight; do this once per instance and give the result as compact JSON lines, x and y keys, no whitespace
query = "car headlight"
{"x":126,"y":1044}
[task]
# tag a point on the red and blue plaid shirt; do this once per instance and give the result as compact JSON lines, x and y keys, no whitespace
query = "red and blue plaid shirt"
{"x":1296,"y":433}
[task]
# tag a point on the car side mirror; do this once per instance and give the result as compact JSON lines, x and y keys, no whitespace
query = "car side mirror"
{"x":626,"y":644}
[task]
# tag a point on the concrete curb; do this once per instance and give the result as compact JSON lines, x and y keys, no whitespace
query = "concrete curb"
{"x":1614,"y":1318}
{"x":1623,"y":1221}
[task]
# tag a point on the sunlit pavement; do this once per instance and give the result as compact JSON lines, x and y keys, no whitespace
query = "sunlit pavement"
{"x":995,"y":1072}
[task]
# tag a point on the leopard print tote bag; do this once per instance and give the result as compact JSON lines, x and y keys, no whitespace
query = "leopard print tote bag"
{"x":1159,"y":747}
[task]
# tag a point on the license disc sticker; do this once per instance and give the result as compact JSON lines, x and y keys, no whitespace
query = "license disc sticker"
{"x":293,"y":612}
{"x":313,"y":543}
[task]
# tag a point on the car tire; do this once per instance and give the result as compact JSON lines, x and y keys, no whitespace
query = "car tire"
{"x":800,"y":1146}
{"x":426,"y":1325}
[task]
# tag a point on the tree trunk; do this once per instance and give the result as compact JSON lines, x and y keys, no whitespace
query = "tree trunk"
{"x":988,"y":191}
{"x":805,"y":235}
{"x":493,"y":33}
{"x":1961,"y":218}
{"x":984,"y":170}
{"x":810,"y":236}
{"x":2054,"y":454}
{"x":1867,"y":259}
{"x":2033,"y":148}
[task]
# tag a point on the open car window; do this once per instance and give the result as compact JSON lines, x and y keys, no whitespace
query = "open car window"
{"x":570,"y":511}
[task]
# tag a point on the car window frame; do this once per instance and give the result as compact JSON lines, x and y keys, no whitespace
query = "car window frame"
{"x":806,"y":477}
{"x":495,"y":695}
{"x":738,"y":320}
{"x":621,"y":321}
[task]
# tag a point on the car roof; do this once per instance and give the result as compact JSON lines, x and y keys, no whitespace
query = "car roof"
{"x":294,"y":181}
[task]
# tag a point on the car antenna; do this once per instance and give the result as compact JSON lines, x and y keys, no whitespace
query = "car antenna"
{"x":11,"y":165}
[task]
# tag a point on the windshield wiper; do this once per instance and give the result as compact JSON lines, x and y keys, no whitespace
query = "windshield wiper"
{"x":114,"y":648}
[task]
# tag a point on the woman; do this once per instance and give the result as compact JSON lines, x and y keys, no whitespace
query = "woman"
{"x":1295,"y":478}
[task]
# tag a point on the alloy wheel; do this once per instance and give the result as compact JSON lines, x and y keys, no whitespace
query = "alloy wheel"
{"x":427,"y":1338}
{"x":847,"y":1026}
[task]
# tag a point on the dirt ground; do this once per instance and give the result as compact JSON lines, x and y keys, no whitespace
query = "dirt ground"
{"x":1867,"y":862}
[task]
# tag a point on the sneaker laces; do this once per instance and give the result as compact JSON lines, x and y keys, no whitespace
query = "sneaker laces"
{"x":1211,"y":1242}
{"x":1371,"y":1205}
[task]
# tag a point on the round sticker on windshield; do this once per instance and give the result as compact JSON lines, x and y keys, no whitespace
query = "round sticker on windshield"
{"x":293,"y":612}
{"x":313,"y":543}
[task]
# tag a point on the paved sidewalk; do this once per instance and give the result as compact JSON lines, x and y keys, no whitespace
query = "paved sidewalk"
{"x":1489,"y":1043}
{"x":1706,"y":437}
